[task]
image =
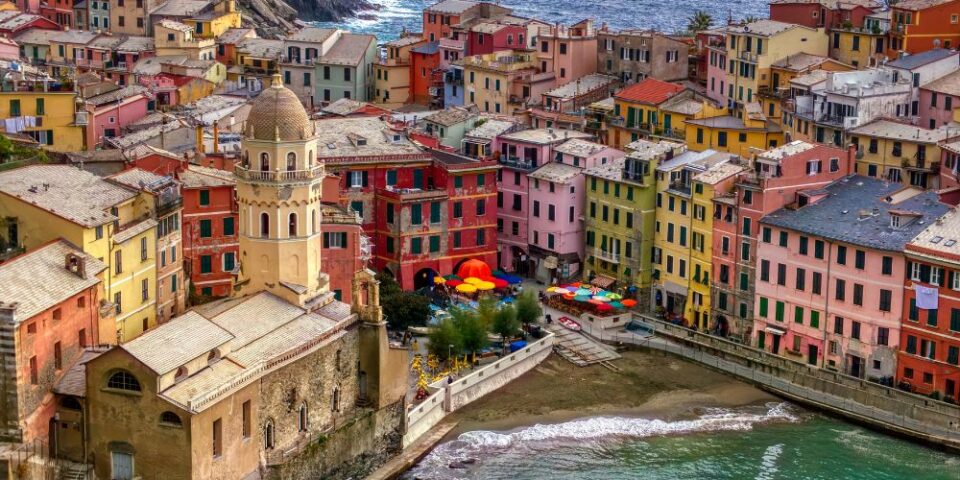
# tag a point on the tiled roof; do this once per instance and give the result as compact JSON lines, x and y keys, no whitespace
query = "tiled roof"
{"x":730,"y":123}
{"x":135,"y":44}
{"x":884,"y":128}
{"x":544,"y":136}
{"x":196,"y":176}
{"x":718,"y":173}
{"x":787,"y":150}
{"x":856,"y":211}
{"x":80,"y":37}
{"x":311,"y":34}
{"x":234,"y":35}
{"x":764,"y":27}
{"x":336,"y":137}
{"x":582,"y":86}
{"x":132,"y":231}
{"x":490,"y":129}
{"x":909,"y":62}
{"x":685,"y":158}
{"x":607,"y":171}
{"x":650,"y":91}
{"x":556,"y":172}
{"x":174,"y":25}
{"x":350,"y":49}
{"x":177,"y":342}
{"x":810,"y":79}
{"x":428,"y":48}
{"x":453,"y":115}
{"x":451,"y":6}
{"x":579,"y":147}
{"x":74,"y":381}
{"x":41,"y":36}
{"x":948,"y":84}
{"x":261,"y":47}
{"x":800,"y":62}
{"x":78,"y":196}
{"x":118,"y":94}
{"x":942,"y":237}
{"x":38,"y":280}
{"x":920,"y":4}
{"x":136,"y":178}
{"x":404,"y":41}
{"x":684,"y":106}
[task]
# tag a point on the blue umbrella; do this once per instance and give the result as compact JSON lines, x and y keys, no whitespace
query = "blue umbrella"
{"x":616,"y":304}
{"x":582,"y":298}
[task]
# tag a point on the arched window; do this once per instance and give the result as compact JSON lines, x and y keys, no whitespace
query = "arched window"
{"x":335,"y":403}
{"x":213,"y":356}
{"x":291,"y":161}
{"x":123,"y":380}
{"x":264,"y":224}
{"x":314,"y":226}
{"x":246,"y":159}
{"x":181,"y":374}
{"x":292,"y":226}
{"x":265,"y":162}
{"x":169,"y":418}
{"x":310,"y":158}
{"x":70,"y":403}
{"x":268,"y":440}
{"x":302,"y":418}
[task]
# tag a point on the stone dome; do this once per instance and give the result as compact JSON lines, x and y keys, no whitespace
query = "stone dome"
{"x":277,"y":114}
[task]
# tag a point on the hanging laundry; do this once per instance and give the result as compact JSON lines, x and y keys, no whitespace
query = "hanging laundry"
{"x":926,"y":297}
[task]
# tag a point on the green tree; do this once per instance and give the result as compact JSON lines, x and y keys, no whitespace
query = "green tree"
{"x":505,"y":324}
{"x":444,"y":339}
{"x":749,"y":19}
{"x":486,"y":309}
{"x":472,"y":330}
{"x":699,"y":21}
{"x":402,"y":309}
{"x":528,"y":308}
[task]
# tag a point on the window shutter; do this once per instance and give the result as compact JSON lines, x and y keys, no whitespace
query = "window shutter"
{"x":326,"y":240}
{"x":364,"y":176}
{"x":343,"y":239}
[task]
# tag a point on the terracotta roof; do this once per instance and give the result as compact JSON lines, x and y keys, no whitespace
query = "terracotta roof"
{"x":650,"y":91}
{"x":919,"y":4}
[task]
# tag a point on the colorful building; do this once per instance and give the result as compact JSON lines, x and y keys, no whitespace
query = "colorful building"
{"x":928,"y":360}
{"x":776,"y":177}
{"x":633,"y":55}
{"x":113,"y":224}
{"x":636,"y":111}
{"x":862,"y":45}
{"x":937,"y":100}
{"x":210,"y":243}
{"x":568,"y":52}
{"x":782,"y":72}
{"x":392,"y":74}
{"x":830,"y":291}
{"x":521,"y":153}
{"x":920,"y":25}
{"x":823,"y":13}
{"x":629,"y":187}
{"x":53,"y":117}
{"x":899,"y":152}
{"x":51,"y":305}
{"x":739,"y":136}
{"x":504,"y":82}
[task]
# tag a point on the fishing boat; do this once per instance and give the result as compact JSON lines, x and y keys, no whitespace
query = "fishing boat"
{"x":569,"y":323}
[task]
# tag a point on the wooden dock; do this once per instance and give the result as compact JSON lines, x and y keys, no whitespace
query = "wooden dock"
{"x":580,"y":349}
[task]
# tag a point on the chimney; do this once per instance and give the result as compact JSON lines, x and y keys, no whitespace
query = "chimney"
{"x":7,"y":312}
{"x":75,"y":264}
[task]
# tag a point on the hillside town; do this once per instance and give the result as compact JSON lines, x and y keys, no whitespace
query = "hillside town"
{"x":198,"y":225}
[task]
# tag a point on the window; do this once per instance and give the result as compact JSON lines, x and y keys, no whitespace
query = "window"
{"x":781,"y":274}
{"x":302,"y":418}
{"x":887,"y":265}
{"x":858,"y":294}
{"x":886,"y":298}
{"x":801,"y":279}
{"x":841,"y":291}
{"x":170,"y":419}
{"x":767,"y":233}
{"x":763,"y":307}
{"x":118,"y":261}
{"x":841,"y":255}
{"x":783,"y":239}
{"x":228,"y":226}
{"x":292,"y":225}
{"x":416,"y":246}
{"x":932,"y":317}
{"x":268,"y":436}
{"x":416,"y":214}
{"x":855,"y":330}
{"x":246,"y":419}
{"x":206,"y":231}
{"x":144,"y":290}
{"x":818,"y":246}
{"x":264,"y":225}
{"x":765,"y":270}
{"x":804,"y":245}
{"x":861,"y":259}
{"x":838,"y":325}
{"x":883,"y":336}
{"x":34,"y":373}
{"x":334,"y":239}
{"x":123,"y":380}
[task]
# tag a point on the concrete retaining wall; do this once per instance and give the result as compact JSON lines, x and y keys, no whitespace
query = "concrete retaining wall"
{"x":885,"y":407}
{"x":454,"y":396}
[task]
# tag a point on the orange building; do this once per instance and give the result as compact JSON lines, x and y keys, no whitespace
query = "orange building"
{"x":425,"y":72}
{"x":920,"y":25}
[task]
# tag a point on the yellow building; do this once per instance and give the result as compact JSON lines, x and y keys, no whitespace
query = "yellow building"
{"x":672,"y":253}
{"x":861,"y":47}
{"x":717,"y":181}
{"x":214,"y":23}
{"x":783,"y":71}
{"x":754,"y":47}
{"x":899,"y":152}
{"x":175,"y":38}
{"x":735,"y":135}
{"x":391,"y":82}
{"x":55,"y":119}
{"x":108,"y":222}
{"x":654,"y":108}
{"x":502,"y":82}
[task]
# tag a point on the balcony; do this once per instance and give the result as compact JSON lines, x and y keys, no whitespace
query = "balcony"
{"x":279,"y":175}
{"x":80,"y":118}
{"x":747,"y":56}
{"x":769,"y":92}
{"x":606,"y":256}
{"x":681,"y":187}
{"x":920,"y":164}
{"x":412,"y":194}
{"x":518,"y":163}
{"x":115,"y":66}
{"x":632,"y":176}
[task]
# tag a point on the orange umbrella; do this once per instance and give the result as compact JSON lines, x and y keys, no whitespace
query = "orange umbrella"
{"x":473,"y":268}
{"x":629,"y":303}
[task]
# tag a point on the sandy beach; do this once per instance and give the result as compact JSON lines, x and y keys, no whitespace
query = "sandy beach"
{"x":649,"y":384}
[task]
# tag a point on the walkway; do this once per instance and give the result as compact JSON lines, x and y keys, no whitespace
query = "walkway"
{"x":412,"y":454}
{"x":578,"y":348}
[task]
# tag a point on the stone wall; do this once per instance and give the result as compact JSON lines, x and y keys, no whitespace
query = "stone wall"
{"x":447,"y":398}
{"x":867,"y":402}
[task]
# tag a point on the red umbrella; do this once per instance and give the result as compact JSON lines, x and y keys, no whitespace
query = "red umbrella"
{"x":626,"y":303}
{"x":603,"y":307}
{"x":500,"y":283}
{"x":473,"y":268}
{"x":453,"y":283}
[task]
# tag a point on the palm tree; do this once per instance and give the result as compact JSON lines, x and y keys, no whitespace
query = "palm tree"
{"x":699,"y":21}
{"x":750,"y":19}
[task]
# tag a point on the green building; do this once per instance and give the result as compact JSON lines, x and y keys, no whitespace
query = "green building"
{"x":620,"y":219}
{"x":346,"y":69}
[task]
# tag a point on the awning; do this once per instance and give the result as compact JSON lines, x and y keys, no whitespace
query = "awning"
{"x":603,"y":281}
{"x":776,"y":331}
{"x":550,"y":262}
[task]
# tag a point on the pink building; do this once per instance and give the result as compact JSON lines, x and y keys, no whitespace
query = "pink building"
{"x":938,"y":99}
{"x":111,"y":111}
{"x":716,"y":65}
{"x":778,"y":175}
{"x":556,"y":199}
{"x":520,"y":154}
{"x":831,"y":267}
{"x":568,"y":52}
{"x":9,"y":50}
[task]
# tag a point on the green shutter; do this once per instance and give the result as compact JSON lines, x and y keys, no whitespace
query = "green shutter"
{"x":955,"y":320}
{"x":204,"y":197}
{"x":932,"y":317}
{"x":391,"y":177}
{"x":41,"y":109}
{"x":458,"y":181}
{"x":780,"y":308}
{"x":206,"y":230}
{"x":434,"y":244}
{"x":416,"y":245}
{"x":416,"y":217}
{"x":798,"y":314}
{"x":206,"y":264}
{"x":763,"y":307}
{"x":914,"y":314}
{"x":814,"y":319}
{"x":481,"y":179}
{"x":228,"y":226}
{"x":434,"y":212}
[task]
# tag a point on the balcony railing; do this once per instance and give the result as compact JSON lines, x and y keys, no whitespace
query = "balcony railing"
{"x":518,"y":163}
{"x":279,"y":175}
{"x":608,"y":256}
{"x":748,"y":56}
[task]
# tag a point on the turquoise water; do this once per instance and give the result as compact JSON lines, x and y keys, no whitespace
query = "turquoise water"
{"x":776,"y":441}
{"x":395,"y":15}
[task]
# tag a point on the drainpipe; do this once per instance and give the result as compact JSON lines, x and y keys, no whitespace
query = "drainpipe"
{"x":826,"y":305}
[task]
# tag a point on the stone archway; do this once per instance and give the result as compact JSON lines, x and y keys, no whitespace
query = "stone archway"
{"x":424,"y":278}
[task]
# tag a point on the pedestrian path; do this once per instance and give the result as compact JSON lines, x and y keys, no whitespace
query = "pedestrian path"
{"x":580,"y":349}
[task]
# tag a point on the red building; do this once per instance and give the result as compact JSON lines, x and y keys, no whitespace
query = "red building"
{"x":425,"y":73}
{"x":822,"y":13}
{"x":920,"y":25}
{"x":345,"y":248}
{"x":928,"y":359}
{"x":59,"y":12}
{"x":51,"y":298}
{"x":210,"y":243}
{"x":489,"y":37}
{"x":13,"y":22}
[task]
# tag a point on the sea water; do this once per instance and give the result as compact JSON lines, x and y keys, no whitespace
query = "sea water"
{"x":394,"y":16}
{"x":774,"y":441}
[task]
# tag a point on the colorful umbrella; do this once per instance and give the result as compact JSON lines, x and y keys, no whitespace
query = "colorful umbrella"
{"x":615,"y":304}
{"x":569,"y":296}
{"x":466,"y":288}
{"x":582,"y":298}
{"x":629,"y":303}
{"x":595,"y":301}
{"x":454,"y":283}
{"x":614,"y":296}
{"x":439,"y":280}
{"x":485,"y":286}
{"x":604,"y":307}
{"x":473,"y":268}
{"x":452,"y":277}
{"x":601,"y":298}
{"x":553,"y":289}
{"x":583,"y":291}
{"x":499,"y":283}
{"x":595,"y":290}
{"x":472,"y":280}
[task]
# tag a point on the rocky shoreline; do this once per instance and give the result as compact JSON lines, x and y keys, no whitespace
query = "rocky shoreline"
{"x":275,"y":18}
